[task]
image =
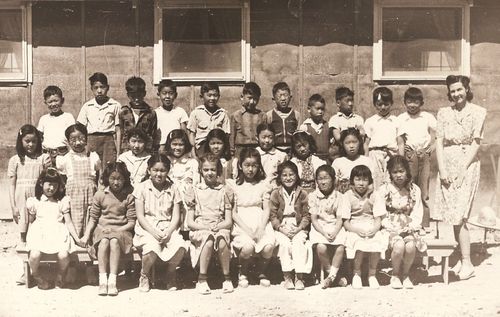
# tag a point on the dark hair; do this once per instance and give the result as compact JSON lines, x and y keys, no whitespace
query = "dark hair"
{"x":100,"y":77}
{"x":291,"y":165}
{"x":221,"y":135}
{"x":451,"y":79}
{"x":50,"y":175}
{"x":303,"y":137}
{"x":250,"y":152}
{"x":209,"y":85}
{"x":209,"y":157}
{"x":414,"y":94}
{"x":178,"y":134}
{"x":25,"y":130}
{"x":326,"y":168}
{"x":265,"y":126}
{"x":159,"y":158}
{"x":167,"y":83}
{"x":251,"y":88}
{"x":315,"y":98}
{"x":135,"y":84}
{"x":138,"y":133}
{"x":354,"y":132}
{"x":118,"y":167}
{"x":281,"y":86}
{"x":399,"y":160}
{"x":51,"y":91}
{"x":382,"y":93}
{"x":343,"y":92}
{"x":76,"y":127}
{"x":361,"y":171}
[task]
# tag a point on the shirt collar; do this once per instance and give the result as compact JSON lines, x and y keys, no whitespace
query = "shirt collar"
{"x":94,"y":103}
{"x":272,"y":151}
{"x":44,"y":198}
{"x":202,"y":185}
{"x":389,"y":117}
{"x":341,"y":114}
{"x":183,"y":159}
{"x":244,"y":110}
{"x":217,"y":111}
{"x":366,"y":195}
{"x":314,"y":124}
{"x":149,"y":185}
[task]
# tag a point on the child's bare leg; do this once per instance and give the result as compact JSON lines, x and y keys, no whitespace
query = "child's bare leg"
{"x":324,"y":257}
{"x":34,"y":260}
{"x":224,"y":256}
{"x":374,"y":258}
{"x":148,"y":260}
{"x":266,"y":254}
{"x":337,"y":259}
{"x":63,"y":262}
{"x":409,"y":256}
{"x":114,"y":256}
{"x":358,"y":260}
{"x":398,"y":251}
{"x":103,"y":255}
{"x":172,"y":265}
{"x":244,"y":257}
{"x":206,"y":256}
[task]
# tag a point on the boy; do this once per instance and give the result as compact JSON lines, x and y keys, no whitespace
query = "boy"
{"x":100,"y":116}
{"x":53,"y":124}
{"x":382,"y":138}
{"x":283,"y":120}
{"x":345,"y":118}
{"x":207,"y":117}
{"x":417,"y":129}
{"x":138,"y":114}
{"x":244,"y":121}
{"x":170,"y":117}
{"x":316,"y":125}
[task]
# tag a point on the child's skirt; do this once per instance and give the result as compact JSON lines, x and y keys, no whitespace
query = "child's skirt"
{"x":317,"y":237}
{"x":354,"y":242}
{"x":400,"y":231}
{"x":48,"y":237}
{"x":124,"y":238}
{"x":148,"y":243}
{"x":296,"y":253}
{"x":199,"y":238}
{"x":252,"y":216}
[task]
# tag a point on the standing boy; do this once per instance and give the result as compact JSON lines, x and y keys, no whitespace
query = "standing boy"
{"x":53,"y":124}
{"x":100,"y":116}
{"x":282,"y":118}
{"x":244,"y":121}
{"x":382,"y":139}
{"x":170,"y":117}
{"x":417,"y":129}
{"x":138,"y":114}
{"x":316,"y":125}
{"x":207,"y":117}
{"x":345,"y":118}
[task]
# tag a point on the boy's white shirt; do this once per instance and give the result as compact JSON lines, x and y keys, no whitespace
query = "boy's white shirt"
{"x":170,"y":120}
{"x":318,"y":127}
{"x":53,"y":128}
{"x":382,"y":131}
{"x":417,"y":128}
{"x":97,"y":118}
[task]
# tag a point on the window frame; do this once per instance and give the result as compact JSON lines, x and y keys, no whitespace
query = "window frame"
{"x":378,"y":7}
{"x":27,"y":47}
{"x":160,"y":5}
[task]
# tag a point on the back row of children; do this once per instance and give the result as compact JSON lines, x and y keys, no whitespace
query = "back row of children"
{"x":141,"y":130}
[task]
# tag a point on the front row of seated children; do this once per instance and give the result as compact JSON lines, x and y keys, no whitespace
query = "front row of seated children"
{"x":245,"y":216}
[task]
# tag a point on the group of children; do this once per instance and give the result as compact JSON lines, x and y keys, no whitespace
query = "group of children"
{"x":253,"y":184}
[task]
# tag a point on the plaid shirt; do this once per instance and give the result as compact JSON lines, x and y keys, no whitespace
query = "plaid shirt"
{"x":147,"y":122}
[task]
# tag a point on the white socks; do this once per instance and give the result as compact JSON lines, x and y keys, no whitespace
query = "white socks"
{"x":103,"y":278}
{"x":112,"y":279}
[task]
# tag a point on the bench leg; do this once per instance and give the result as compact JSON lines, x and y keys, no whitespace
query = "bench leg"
{"x":27,"y":273}
{"x":445,"y":268}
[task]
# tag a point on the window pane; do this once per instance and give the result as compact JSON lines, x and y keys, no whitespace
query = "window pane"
{"x":11,"y":37}
{"x":421,"y":40}
{"x":197,"y":41}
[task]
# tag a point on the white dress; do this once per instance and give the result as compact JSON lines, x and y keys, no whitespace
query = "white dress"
{"x":48,"y":233}
{"x":249,"y":199}
{"x":327,"y":208}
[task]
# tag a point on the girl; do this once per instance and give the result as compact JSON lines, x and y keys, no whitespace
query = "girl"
{"x":184,"y":169}
{"x":252,"y":232}
{"x":82,"y":170}
{"x":363,"y":226}
{"x":136,"y":159}
{"x":270,"y":156}
{"x":112,"y":215}
{"x":290,"y":219}
{"x":210,"y":205}
{"x":352,"y":154}
{"x":51,"y":225}
{"x":401,"y":202}
{"x":157,"y":204}
{"x":218,"y":144}
{"x":23,"y":171}
{"x":303,"y":149}
{"x":327,"y":207}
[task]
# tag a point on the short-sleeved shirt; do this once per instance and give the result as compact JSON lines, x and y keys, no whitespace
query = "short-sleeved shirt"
{"x":210,"y":203}
{"x":343,"y":166}
{"x":65,"y":166}
{"x":136,"y":165}
{"x":158,"y":204}
{"x":460,"y":127}
{"x":53,"y":128}
{"x":382,"y":131}
{"x":328,"y":208}
{"x":100,"y":118}
{"x":170,"y":120}
{"x":342,"y":122}
{"x":201,"y":122}
{"x":244,"y":126}
{"x":270,"y":161}
{"x":416,"y":128}
{"x":362,"y":205}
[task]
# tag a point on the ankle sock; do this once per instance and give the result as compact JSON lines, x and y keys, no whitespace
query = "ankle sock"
{"x":103,"y":278}
{"x":202,"y":278}
{"x":112,"y":279}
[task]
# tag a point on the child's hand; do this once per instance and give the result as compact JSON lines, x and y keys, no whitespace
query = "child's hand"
{"x":108,"y":230}
{"x":15,"y":214}
{"x":85,"y":240}
{"x":158,"y":235}
{"x":165,"y":239}
{"x":214,"y":228}
{"x":46,"y":161}
{"x":79,"y":242}
{"x":259,"y":233}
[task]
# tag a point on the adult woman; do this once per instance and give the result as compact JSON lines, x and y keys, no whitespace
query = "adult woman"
{"x":458,"y":135}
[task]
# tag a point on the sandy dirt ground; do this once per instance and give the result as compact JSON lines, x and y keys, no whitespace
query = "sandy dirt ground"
{"x":478,"y":296}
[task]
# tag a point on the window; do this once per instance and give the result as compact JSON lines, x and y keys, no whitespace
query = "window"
{"x":202,"y":40}
{"x":422,"y":40}
{"x":15,"y":43}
